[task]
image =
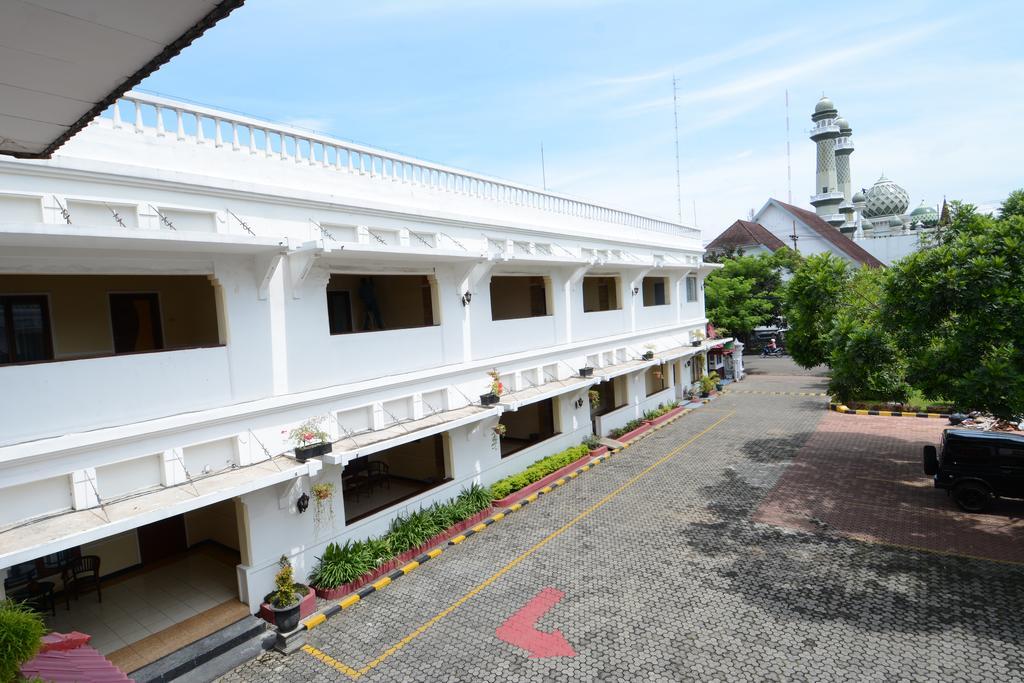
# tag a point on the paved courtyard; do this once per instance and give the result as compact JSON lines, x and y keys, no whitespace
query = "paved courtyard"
{"x":652,"y":568}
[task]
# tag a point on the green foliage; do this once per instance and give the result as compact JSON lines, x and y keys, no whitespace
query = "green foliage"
{"x":343,"y":564}
{"x":627,"y":428}
{"x":538,"y":471}
{"x":1013,"y":206}
{"x":867,"y":364}
{"x":956,"y":310}
{"x":812,"y":300}
{"x":746,"y":292}
{"x":285,"y":592}
{"x":708,"y":382}
{"x":21,"y":631}
{"x":654,"y":413}
{"x":592,"y":442}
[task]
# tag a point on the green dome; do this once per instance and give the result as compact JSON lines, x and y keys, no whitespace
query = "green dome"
{"x":924,"y":213}
{"x":842,"y":123}
{"x":824,"y":104}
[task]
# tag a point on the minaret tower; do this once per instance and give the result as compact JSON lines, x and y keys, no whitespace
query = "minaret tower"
{"x":844,"y":148}
{"x":827,"y":197}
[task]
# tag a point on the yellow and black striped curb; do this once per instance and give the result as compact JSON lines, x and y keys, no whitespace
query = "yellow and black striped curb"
{"x":840,"y":408}
{"x":315,"y":620}
{"x":777,"y":393}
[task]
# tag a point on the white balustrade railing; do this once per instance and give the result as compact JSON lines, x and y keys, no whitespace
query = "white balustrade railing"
{"x":288,"y":143}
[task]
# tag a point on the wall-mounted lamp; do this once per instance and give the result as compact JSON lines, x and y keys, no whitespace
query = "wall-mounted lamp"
{"x":302,"y":503}
{"x":466,"y":298}
{"x":579,"y":402}
{"x":687,"y":363}
{"x":636,"y":290}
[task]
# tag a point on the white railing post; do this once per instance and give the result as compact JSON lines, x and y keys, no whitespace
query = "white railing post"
{"x":160,"y":121}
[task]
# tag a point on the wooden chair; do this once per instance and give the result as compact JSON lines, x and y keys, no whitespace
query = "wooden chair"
{"x":378,"y":473}
{"x":83,"y":571}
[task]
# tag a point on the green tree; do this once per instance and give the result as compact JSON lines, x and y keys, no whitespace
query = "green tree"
{"x":866,"y":361}
{"x":811,"y":300}
{"x":956,"y":310}
{"x":1013,"y":206}
{"x":21,"y":632}
{"x":747,"y":291}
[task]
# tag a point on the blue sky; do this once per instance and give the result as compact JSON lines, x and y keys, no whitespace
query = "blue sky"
{"x":934,"y":91}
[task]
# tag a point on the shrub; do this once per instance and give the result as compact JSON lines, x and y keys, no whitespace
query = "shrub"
{"x":592,"y":442}
{"x":344,"y":564}
{"x":628,"y":427}
{"x":538,"y":470}
{"x":285,"y":592}
{"x":21,"y":631}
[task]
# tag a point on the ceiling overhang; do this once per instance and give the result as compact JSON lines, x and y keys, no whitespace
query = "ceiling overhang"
{"x":62,"y":63}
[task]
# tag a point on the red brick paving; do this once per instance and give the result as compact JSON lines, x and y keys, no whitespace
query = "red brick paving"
{"x":861,"y":475}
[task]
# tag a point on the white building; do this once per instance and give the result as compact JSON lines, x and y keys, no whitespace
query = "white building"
{"x":181,"y":286}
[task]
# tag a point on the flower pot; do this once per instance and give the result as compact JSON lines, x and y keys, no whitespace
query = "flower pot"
{"x":648,"y":355}
{"x":586,"y":372}
{"x":718,"y":386}
{"x":695,"y":343}
{"x":286,"y":618}
{"x":705,"y":394}
{"x":489,"y":399}
{"x":304,"y":453}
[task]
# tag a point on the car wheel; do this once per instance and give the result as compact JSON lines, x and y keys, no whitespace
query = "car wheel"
{"x":972,"y":496}
{"x":931,"y":460}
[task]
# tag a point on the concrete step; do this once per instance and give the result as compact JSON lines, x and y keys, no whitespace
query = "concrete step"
{"x":212,"y":656}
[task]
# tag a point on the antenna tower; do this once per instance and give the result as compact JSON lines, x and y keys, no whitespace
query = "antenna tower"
{"x":679,"y":184}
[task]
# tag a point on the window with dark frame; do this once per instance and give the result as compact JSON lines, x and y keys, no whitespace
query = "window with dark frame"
{"x":25,"y":334}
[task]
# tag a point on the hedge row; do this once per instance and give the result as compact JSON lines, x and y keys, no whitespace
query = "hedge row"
{"x":343,"y":564}
{"x":538,"y":471}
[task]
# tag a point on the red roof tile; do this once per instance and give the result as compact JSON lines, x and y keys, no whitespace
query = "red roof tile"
{"x":744,"y":233}
{"x":838,"y":239}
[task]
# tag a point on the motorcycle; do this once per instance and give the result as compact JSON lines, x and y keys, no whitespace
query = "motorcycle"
{"x":777,"y":352}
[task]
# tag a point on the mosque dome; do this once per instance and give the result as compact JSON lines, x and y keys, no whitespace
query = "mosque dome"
{"x":858,"y":198}
{"x":886,"y":198}
{"x":842,"y":123}
{"x":824,"y":104}
{"x":924,"y":213}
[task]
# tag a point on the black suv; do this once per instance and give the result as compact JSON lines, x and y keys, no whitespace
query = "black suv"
{"x":977,"y":466}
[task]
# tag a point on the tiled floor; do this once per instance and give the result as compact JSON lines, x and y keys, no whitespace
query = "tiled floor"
{"x":150,"y":601}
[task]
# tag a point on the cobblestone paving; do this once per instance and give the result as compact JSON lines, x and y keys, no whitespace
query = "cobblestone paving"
{"x":666,"y":578}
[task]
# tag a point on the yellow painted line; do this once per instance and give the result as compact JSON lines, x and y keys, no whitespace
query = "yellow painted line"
{"x":573,"y":475}
{"x":381,"y":583}
{"x":349,"y":600}
{"x":546,"y":489}
{"x":315,"y":621}
{"x":435,"y":552}
{"x":331,"y":661}
{"x":499,"y":516}
{"x":532,"y":497}
{"x":518,"y":560}
{"x":885,"y":413}
{"x":409,"y":567}
{"x":584,"y":468}
{"x":478,"y":527}
{"x":515,"y":506}
{"x":559,"y":482}
{"x":458,"y":539}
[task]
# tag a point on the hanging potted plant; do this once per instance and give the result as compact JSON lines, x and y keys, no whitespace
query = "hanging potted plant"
{"x":696,"y":337}
{"x":324,"y":510}
{"x":496,"y":389}
{"x":499,"y":430}
{"x":286,"y":598}
{"x":586,"y":371}
{"x":649,"y":353}
{"x":310,"y":441}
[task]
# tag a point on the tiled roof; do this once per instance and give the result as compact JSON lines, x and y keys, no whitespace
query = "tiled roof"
{"x":742,"y":234}
{"x":826,"y":231}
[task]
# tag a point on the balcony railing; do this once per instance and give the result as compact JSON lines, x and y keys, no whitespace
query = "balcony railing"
{"x":826,"y":198}
{"x":195,"y":124}
{"x":830,"y":130}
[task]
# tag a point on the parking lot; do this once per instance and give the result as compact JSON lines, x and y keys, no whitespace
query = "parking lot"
{"x":715,"y":549}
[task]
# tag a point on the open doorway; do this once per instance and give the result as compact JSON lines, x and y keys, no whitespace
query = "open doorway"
{"x":376,"y":482}
{"x":528,"y":426}
{"x":370,"y":303}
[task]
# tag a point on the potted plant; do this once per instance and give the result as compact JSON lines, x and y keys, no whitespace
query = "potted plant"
{"x":496,"y":389}
{"x":322,"y":495}
{"x":595,"y":398}
{"x":707,"y":384}
{"x":696,"y":337}
{"x":284,"y":601}
{"x":310,"y":441}
{"x":499,"y":430}
{"x":649,"y":353}
{"x":586,"y":371}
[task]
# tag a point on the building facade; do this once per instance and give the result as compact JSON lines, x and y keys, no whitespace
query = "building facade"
{"x":182,"y":287}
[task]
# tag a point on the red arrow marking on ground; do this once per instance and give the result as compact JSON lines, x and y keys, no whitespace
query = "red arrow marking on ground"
{"x":519,"y":629}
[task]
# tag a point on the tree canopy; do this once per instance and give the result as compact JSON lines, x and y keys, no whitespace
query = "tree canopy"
{"x":1013,"y":206}
{"x":956,"y":310}
{"x":812,"y":299}
{"x":747,"y":291}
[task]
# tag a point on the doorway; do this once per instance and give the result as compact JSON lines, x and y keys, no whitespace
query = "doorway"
{"x":135,"y":321}
{"x":162,"y":539}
